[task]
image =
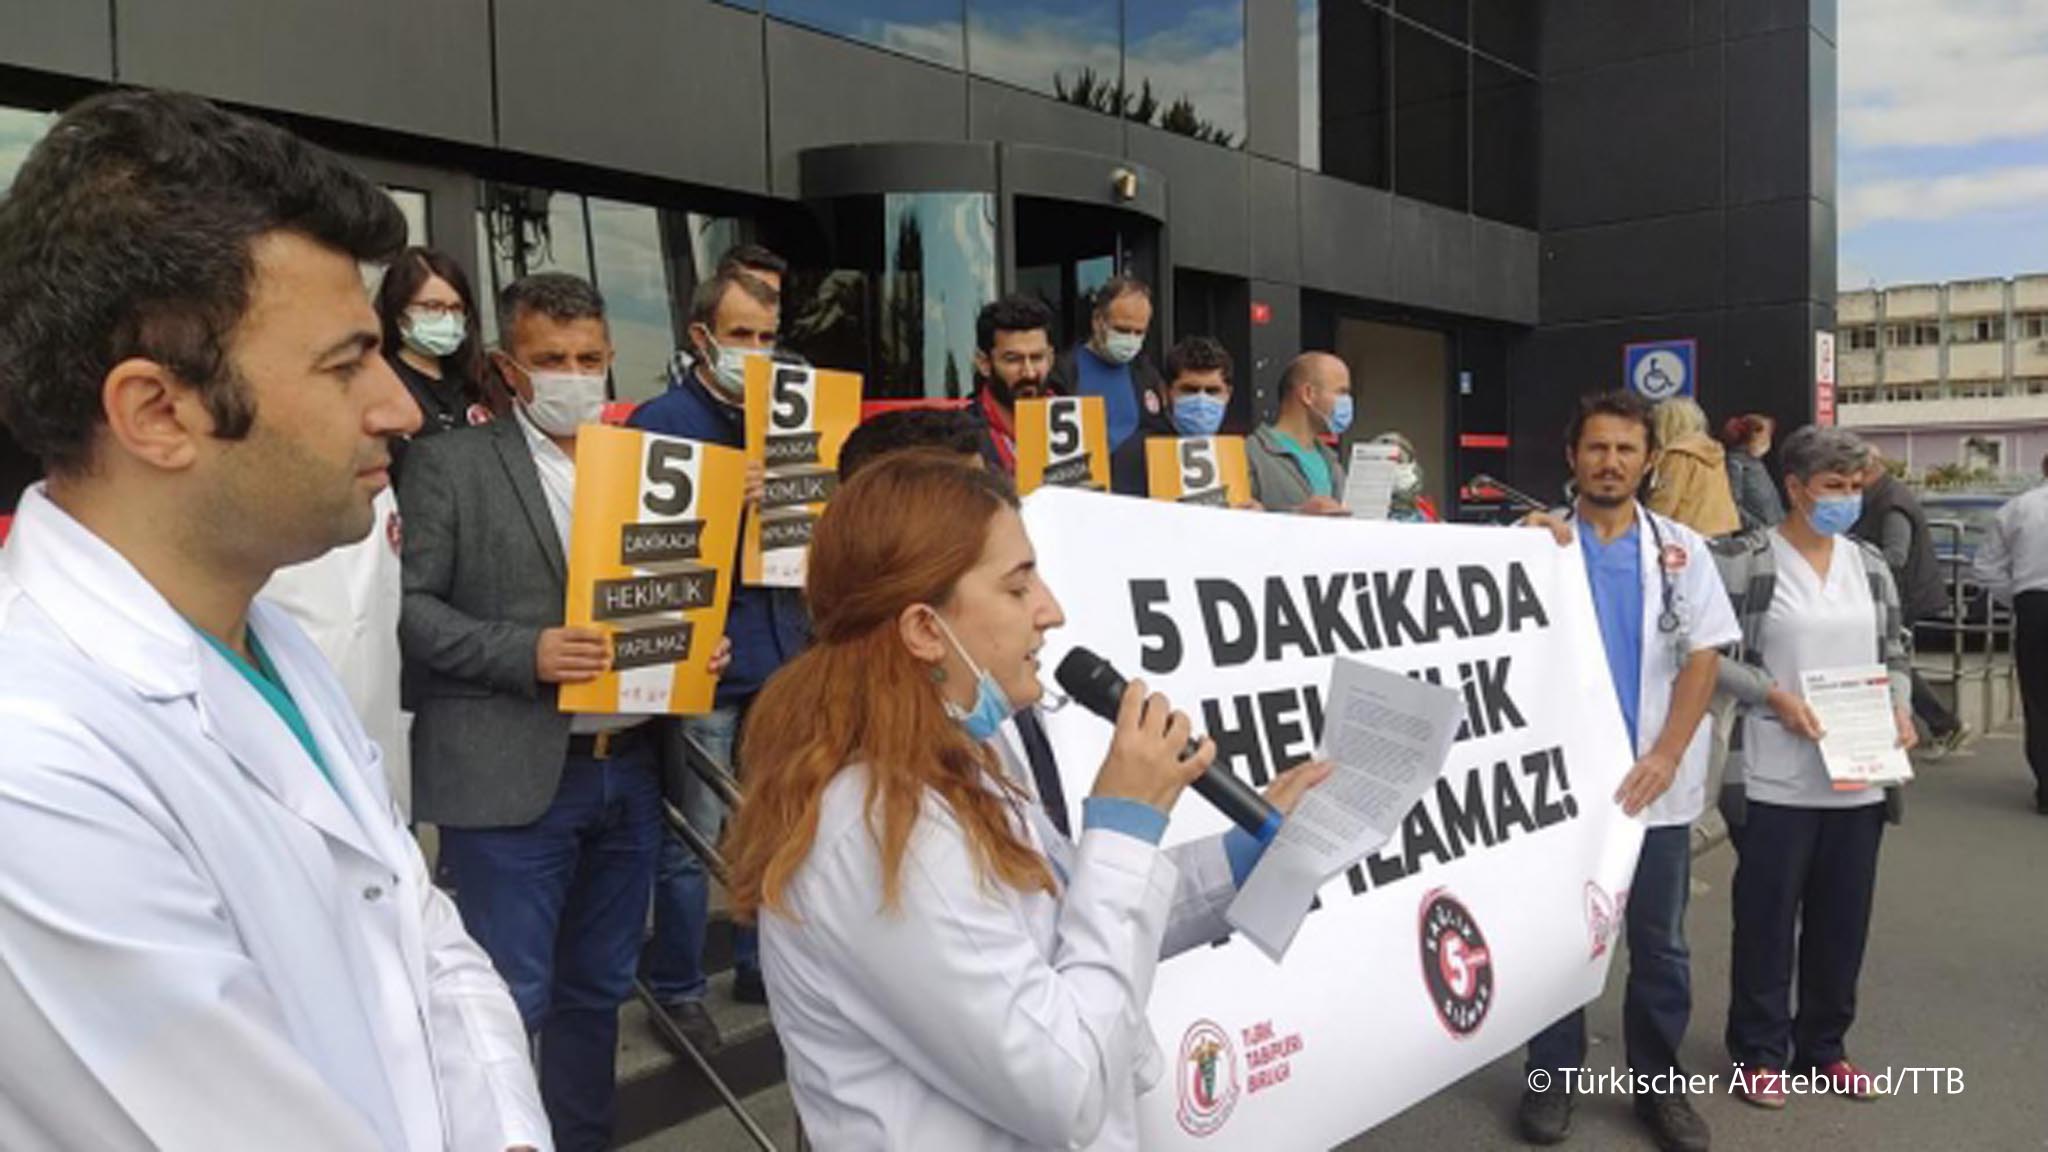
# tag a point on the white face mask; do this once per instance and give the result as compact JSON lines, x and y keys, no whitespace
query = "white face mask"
{"x":1407,"y":478}
{"x":563,"y":401}
{"x":1122,"y":347}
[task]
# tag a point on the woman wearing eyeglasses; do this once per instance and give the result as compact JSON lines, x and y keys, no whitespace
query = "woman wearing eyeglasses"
{"x":433,"y":340}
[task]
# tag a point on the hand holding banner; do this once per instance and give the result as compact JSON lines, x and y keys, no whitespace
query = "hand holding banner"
{"x":1062,"y":441}
{"x":1198,"y":470}
{"x":655,"y":523}
{"x":797,"y":419}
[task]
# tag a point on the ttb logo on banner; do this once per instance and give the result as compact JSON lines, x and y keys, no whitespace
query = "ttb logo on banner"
{"x":1208,"y":1078}
{"x":1662,"y":369}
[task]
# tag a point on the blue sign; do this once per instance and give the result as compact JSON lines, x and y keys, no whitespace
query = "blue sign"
{"x":1661,"y":369}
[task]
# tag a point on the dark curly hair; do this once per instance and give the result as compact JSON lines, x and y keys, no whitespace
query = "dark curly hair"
{"x":129,"y":234}
{"x":1016,"y":313}
{"x":1198,"y":354}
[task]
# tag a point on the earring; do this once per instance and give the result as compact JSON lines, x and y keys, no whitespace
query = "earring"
{"x":938,"y":673}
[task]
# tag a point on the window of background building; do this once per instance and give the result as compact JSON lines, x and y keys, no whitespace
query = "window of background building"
{"x":1977,"y":330}
{"x":926,"y":29}
{"x":1861,"y":338}
{"x":1507,"y":30}
{"x":938,"y":268}
{"x":2032,"y":325}
{"x":19,"y":131}
{"x":1450,"y":17}
{"x":1436,"y":99}
{"x":1346,"y":76}
{"x":1505,"y":113}
{"x":1066,"y":49}
{"x":643,"y":259}
{"x":413,"y":203}
{"x":1190,"y":55}
{"x":1431,"y":86}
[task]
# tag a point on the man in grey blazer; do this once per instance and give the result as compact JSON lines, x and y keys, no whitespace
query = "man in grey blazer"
{"x":549,"y":823}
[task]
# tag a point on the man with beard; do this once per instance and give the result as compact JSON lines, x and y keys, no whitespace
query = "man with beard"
{"x":1662,"y":614}
{"x":1012,"y":361}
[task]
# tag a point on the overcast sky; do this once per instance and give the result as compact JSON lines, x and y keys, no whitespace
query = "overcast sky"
{"x":1943,"y":140}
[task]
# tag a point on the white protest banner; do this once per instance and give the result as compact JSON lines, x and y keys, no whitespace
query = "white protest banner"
{"x":1495,"y":910}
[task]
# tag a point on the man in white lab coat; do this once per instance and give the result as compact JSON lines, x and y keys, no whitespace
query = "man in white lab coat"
{"x":1663,"y":617}
{"x":215,"y":933}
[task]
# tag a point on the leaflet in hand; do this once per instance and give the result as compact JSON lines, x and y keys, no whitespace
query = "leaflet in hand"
{"x":1369,"y":480}
{"x":1388,"y":736}
{"x":1860,"y":731}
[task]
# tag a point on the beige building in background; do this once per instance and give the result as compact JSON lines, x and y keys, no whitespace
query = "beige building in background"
{"x":1940,"y":374}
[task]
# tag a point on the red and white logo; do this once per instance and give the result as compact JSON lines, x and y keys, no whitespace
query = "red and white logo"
{"x":1457,"y":968}
{"x":1603,"y":920}
{"x":1207,"y":1078}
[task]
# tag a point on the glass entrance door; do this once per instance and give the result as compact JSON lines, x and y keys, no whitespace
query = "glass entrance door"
{"x":1065,"y":251}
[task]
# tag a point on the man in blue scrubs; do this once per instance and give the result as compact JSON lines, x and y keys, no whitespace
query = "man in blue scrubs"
{"x":1662,"y":615}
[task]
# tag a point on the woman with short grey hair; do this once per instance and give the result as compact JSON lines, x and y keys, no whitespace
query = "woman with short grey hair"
{"x":1809,"y":599}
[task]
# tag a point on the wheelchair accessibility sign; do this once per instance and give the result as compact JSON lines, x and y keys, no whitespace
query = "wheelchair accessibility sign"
{"x":1661,"y":369}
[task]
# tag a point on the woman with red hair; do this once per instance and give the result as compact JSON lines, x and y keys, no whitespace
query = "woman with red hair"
{"x":1748,"y":440}
{"x":945,"y":969}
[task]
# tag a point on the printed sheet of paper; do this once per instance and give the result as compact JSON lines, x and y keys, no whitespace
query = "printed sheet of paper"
{"x":1861,"y":743}
{"x":1389,"y":736}
{"x":1369,"y":480}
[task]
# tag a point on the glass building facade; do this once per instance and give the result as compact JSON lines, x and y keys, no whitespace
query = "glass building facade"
{"x":1436,"y":100}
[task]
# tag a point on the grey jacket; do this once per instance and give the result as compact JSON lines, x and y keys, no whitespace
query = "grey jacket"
{"x":1278,"y":482}
{"x":1750,"y":573}
{"x":484,"y":575}
{"x":1756,"y":494}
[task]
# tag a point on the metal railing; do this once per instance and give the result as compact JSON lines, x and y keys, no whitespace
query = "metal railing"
{"x":1998,"y":625}
{"x":714,"y":776}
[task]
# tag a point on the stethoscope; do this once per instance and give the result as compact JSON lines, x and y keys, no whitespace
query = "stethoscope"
{"x":1669,"y":622}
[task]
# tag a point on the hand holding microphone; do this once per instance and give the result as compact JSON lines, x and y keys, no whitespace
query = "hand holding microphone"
{"x":1149,"y":758}
{"x":1091,"y":682}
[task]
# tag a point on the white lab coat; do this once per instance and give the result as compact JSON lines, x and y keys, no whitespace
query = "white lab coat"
{"x":204,"y":945}
{"x":347,"y":601}
{"x":1707,"y":621}
{"x":976,"y":1016}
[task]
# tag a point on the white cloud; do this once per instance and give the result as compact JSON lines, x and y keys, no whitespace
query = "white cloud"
{"x":1942,"y":197}
{"x":1917,"y":73}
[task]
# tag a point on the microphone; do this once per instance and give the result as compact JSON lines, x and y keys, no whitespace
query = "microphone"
{"x":1091,"y":682}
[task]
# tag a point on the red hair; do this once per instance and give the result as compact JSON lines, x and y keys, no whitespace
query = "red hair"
{"x":1740,"y":430}
{"x":902,"y":532}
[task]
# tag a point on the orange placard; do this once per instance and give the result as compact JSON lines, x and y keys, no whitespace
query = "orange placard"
{"x":797,"y":419}
{"x":1062,"y":441}
{"x":655,"y":527}
{"x":1198,"y":470}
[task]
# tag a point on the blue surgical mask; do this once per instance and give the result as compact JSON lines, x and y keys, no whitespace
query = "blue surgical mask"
{"x":1197,"y":414}
{"x":1340,"y":416}
{"x":1835,"y":515}
{"x":991,"y":704}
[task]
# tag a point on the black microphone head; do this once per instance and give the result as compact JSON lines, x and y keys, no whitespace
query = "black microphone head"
{"x":1091,"y":682}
